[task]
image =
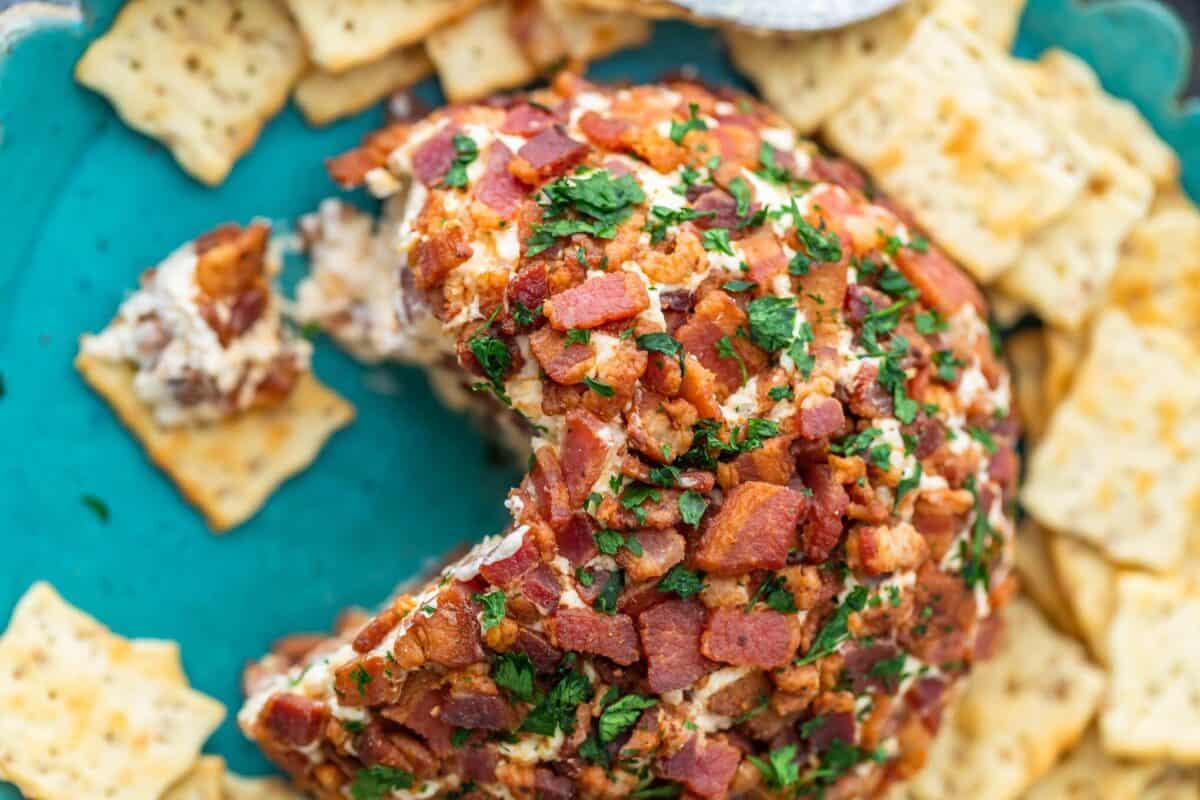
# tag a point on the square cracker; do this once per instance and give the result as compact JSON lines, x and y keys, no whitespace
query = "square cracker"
{"x":1153,"y":705}
{"x":1074,"y":92}
{"x":998,"y":20}
{"x":806,"y":77}
{"x":1018,"y":713}
{"x":1089,"y":585}
{"x":203,"y":782}
{"x":951,"y":130}
{"x":80,"y":717}
{"x":1118,"y":465}
{"x":1065,"y":268}
{"x":235,"y":787}
{"x":160,"y":659}
{"x":479,"y":54}
{"x":588,"y":35}
{"x":227,"y":469}
{"x":345,"y":33}
{"x":1157,"y":281}
{"x":1089,"y":773}
{"x":201,"y":77}
{"x":325,"y":96}
{"x":1038,"y":579}
{"x":1174,"y":783}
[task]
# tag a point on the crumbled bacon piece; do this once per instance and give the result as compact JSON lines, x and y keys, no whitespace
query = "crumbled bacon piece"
{"x":526,"y":120}
{"x":704,"y":765}
{"x":506,"y":570}
{"x":607,"y":132}
{"x":660,"y":550}
{"x":760,"y":638}
{"x":670,"y":633}
{"x":942,"y":284}
{"x":821,"y":417}
{"x":498,"y":189}
{"x":375,"y":631}
{"x":581,"y":629}
{"x":433,"y":158}
{"x":552,"y":152}
{"x":450,"y":635}
{"x":608,"y":298}
{"x":822,"y":525}
{"x":584,"y":453}
{"x":754,"y":529}
{"x":350,"y":168}
{"x":564,"y":363}
{"x":295,"y":719}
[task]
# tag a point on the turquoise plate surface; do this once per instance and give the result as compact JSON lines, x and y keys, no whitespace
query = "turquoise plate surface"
{"x":86,"y":204}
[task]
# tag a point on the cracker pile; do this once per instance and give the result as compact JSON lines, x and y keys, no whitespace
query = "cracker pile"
{"x":1063,"y":200}
{"x":204,"y":77}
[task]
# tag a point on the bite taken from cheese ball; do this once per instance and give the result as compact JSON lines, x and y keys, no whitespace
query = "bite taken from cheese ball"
{"x":766,"y":526}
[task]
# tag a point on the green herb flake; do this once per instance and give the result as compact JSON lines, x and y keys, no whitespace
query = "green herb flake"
{"x":493,"y":607}
{"x":662,"y":218}
{"x":362,"y":679}
{"x":525,"y":316}
{"x":775,"y":594}
{"x":947,"y":365}
{"x":599,"y":387}
{"x":622,"y":715}
{"x":693,"y":123}
{"x":717,"y":240}
{"x":594,"y":203}
{"x":782,"y":392}
{"x":378,"y":782}
{"x":930,"y":322}
{"x":739,"y":286}
{"x":465,"y":152}
{"x":772,"y":320}
{"x":741,"y":194}
{"x":513,"y":672}
{"x":606,"y":601}
{"x":907,"y":484}
{"x":836,"y":628}
{"x":681,"y":581}
{"x":96,"y":506}
{"x":459,"y":737}
{"x":691,"y":507}
{"x":557,"y":709}
{"x":983,"y":437}
{"x":781,"y":769}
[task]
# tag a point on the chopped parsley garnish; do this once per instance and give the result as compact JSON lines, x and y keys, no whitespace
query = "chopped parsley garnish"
{"x":362,"y":679}
{"x":599,"y":387}
{"x":97,"y":506}
{"x":691,"y":507}
{"x":592,"y":752}
{"x":692,"y":123}
{"x":379,"y":781}
{"x":459,"y":737}
{"x":620,"y":716}
{"x":606,"y":601}
{"x":836,"y":629}
{"x":465,"y":151}
{"x":584,"y":577}
{"x":881,"y":456}
{"x":890,"y":671}
{"x":741,"y":194}
{"x":781,"y":769}
{"x":754,"y":434}
{"x":493,"y":607}
{"x":513,"y":672}
{"x":837,"y":760}
{"x":918,"y":243}
{"x":771,"y":322}
{"x":557,"y":709}
{"x":525,"y":316}
{"x":661,"y":218}
{"x":820,"y":243}
{"x":930,"y":322}
{"x":798,"y":349}
{"x":813,"y":725}
{"x":662,"y":343}
{"x":774,"y":592}
{"x":682,"y":581}
{"x":649,"y":789}
{"x":636,"y":495}
{"x":983,"y":437}
{"x":975,"y":553}
{"x":770,"y":169}
{"x":947,"y":365}
{"x":609,"y":542}
{"x":352,"y":726}
{"x":855,"y":443}
{"x":664,"y":475}
{"x":725,"y":349}
{"x":893,"y":378}
{"x":578,"y":336}
{"x":894,"y":283}
{"x":708,"y":446}
{"x":717,"y":240}
{"x":739,"y":286}
{"x":907,"y":484}
{"x":492,"y":356}
{"x":594,"y":203}
{"x":782,"y":392}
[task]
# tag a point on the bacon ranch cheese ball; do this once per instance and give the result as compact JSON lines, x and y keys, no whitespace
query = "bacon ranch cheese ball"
{"x":205,"y":331}
{"x":764,"y":530}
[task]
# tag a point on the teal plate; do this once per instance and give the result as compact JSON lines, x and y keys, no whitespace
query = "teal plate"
{"x":86,"y":204}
